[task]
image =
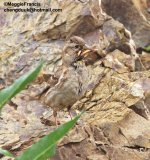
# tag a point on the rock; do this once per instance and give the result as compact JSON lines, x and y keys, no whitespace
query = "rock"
{"x":145,"y":58}
{"x":110,"y":127}
{"x":76,"y":18}
{"x":119,"y":61}
{"x":132,"y":13}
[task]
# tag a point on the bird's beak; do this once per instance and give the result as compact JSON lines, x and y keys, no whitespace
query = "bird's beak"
{"x":82,"y":53}
{"x":85,"y":50}
{"x":79,"y":53}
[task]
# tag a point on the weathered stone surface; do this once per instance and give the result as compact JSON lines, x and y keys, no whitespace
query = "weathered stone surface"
{"x":75,"y":18}
{"x":109,"y":129}
{"x":133,"y":14}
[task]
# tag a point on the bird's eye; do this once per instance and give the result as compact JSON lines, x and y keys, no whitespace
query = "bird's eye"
{"x":77,"y":46}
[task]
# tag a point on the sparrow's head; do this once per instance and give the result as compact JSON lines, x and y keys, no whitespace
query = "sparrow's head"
{"x":78,"y":43}
{"x":72,"y":50}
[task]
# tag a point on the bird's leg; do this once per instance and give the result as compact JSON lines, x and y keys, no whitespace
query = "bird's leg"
{"x":70,"y":112}
{"x":55,"y":116}
{"x":68,"y":109}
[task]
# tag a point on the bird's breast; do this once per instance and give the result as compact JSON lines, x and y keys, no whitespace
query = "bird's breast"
{"x":63,"y":94}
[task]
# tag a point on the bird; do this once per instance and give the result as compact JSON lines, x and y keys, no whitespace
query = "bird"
{"x":72,"y":51}
{"x":70,"y":87}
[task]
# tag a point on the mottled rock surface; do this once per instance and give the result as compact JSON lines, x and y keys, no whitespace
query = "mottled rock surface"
{"x":134,"y":15}
{"x":116,"y":123}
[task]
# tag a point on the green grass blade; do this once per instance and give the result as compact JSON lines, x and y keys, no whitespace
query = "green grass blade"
{"x":19,"y":84}
{"x":45,"y":147}
{"x":147,"y":48}
{"x":6,"y":153}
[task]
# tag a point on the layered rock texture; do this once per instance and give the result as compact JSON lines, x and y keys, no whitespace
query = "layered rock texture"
{"x":134,"y":14}
{"x":116,"y":123}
